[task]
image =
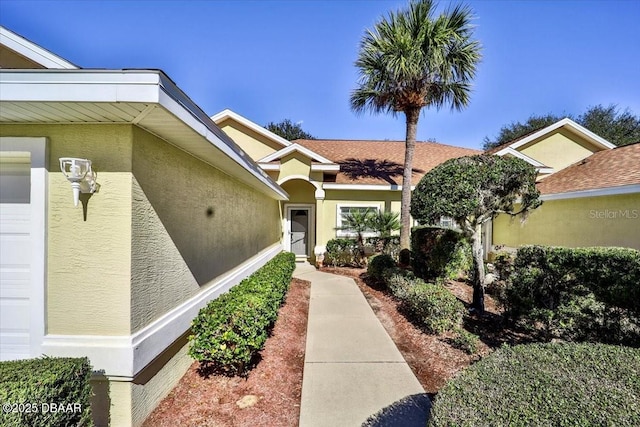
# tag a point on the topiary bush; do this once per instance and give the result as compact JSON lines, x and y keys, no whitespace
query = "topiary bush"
{"x":583,"y":294}
{"x":341,"y":252}
{"x":435,"y":308}
{"x":378,"y":264}
{"x":47,"y":391}
{"x":563,"y":384}
{"x":230,"y":330}
{"x":439,"y":253}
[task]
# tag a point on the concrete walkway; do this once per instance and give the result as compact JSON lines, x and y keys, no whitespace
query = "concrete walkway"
{"x":352,"y":367}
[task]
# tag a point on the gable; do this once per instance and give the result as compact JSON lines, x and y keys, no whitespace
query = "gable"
{"x":559,"y":149}
{"x":16,"y":52}
{"x":251,"y":142}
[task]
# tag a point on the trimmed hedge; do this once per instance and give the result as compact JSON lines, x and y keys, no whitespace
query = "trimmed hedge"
{"x":588,"y":294}
{"x":545,"y":385}
{"x":341,"y":252}
{"x":439,"y":253}
{"x":434,"y":307}
{"x":228,"y":333}
{"x":378,"y":264}
{"x":46,"y":392}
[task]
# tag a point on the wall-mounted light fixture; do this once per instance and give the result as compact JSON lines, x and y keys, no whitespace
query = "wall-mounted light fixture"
{"x":78,"y":172}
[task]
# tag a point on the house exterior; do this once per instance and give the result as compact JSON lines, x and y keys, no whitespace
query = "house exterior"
{"x":326,"y":179}
{"x":172,"y":225}
{"x":590,"y":189}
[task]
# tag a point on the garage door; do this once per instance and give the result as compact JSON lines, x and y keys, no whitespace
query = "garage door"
{"x":15,"y":255}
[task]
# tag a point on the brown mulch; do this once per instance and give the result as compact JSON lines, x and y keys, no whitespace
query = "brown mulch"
{"x":432,"y":358}
{"x":276,"y":380}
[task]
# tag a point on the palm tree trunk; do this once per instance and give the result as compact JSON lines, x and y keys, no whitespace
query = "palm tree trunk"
{"x":412,"y":116}
{"x":478,"y":270}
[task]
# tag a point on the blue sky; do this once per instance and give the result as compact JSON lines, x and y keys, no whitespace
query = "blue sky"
{"x":271,"y":60}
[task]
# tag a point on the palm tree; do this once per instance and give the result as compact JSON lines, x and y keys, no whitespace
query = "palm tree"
{"x":358,"y":222}
{"x":384,"y":223}
{"x":411,"y":60}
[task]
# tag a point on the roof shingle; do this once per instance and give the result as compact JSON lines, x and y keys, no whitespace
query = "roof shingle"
{"x":604,"y":169}
{"x":381,"y":162}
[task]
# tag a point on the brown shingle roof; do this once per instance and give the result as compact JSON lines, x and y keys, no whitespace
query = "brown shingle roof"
{"x":381,"y":162}
{"x":608,"y":168}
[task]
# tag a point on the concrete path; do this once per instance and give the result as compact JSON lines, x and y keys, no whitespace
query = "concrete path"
{"x":352,"y":367}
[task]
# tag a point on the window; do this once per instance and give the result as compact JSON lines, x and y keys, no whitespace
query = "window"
{"x":447,"y":222}
{"x":344,"y":210}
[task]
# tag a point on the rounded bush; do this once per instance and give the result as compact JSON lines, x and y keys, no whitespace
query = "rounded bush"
{"x":563,"y":384}
{"x":378,"y":264}
{"x":434,"y":307}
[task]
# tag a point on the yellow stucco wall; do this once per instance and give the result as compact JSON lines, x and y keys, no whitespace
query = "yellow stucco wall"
{"x":89,"y":247}
{"x":386,"y":200}
{"x":255,"y":145}
{"x":589,"y":221}
{"x":190,"y":224}
{"x":559,"y":150}
{"x":294,"y":164}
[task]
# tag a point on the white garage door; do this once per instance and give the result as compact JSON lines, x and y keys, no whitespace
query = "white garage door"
{"x":15,"y":255}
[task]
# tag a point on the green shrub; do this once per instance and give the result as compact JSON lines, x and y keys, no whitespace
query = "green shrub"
{"x":399,"y":282}
{"x":465,"y":341}
{"x":434,"y":307}
{"x":341,"y":252}
{"x":578,"y":294}
{"x":45,"y":392}
{"x":378,"y":264}
{"x":439,"y":252}
{"x":404,"y":258}
{"x":230,"y":330}
{"x":545,"y":385}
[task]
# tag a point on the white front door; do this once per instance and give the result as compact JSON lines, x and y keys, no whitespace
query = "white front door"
{"x":299,"y":230}
{"x":299,"y":220}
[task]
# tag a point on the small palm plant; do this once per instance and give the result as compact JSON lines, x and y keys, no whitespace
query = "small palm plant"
{"x":384,"y":224}
{"x":358,"y":222}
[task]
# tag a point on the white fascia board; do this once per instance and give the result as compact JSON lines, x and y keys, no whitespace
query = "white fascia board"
{"x":598,"y":140}
{"x":270,"y":166}
{"x":325,"y":167}
{"x":32,"y":51}
{"x":300,"y":149}
{"x":141,"y":86}
{"x":228,"y":114}
{"x":126,"y":355}
{"x":366,"y":187}
{"x":608,"y":191}
{"x":533,"y":162}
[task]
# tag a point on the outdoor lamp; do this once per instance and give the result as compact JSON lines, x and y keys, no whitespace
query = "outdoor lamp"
{"x":78,"y":172}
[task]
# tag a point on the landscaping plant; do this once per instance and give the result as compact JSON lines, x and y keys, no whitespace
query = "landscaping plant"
{"x":229,"y":331}
{"x":563,"y":384}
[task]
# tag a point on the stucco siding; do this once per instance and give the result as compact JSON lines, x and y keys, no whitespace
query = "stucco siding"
{"x":578,"y":222}
{"x":255,"y":145}
{"x":559,"y":150}
{"x":386,"y":200}
{"x":88,"y":247}
{"x":190,"y":224}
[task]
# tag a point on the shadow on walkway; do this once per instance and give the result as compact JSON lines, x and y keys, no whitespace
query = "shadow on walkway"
{"x":411,"y":411}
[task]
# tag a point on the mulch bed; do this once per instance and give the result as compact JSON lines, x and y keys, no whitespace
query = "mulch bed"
{"x":276,"y":381}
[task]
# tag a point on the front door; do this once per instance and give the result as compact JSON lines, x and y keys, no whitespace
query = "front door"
{"x":299,"y":232}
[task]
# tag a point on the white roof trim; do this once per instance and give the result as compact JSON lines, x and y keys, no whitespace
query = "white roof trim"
{"x":332,"y":167}
{"x":270,"y":166}
{"x":228,"y":114}
{"x":608,"y":191}
{"x":300,"y":149}
{"x":32,"y":51}
{"x":138,"y":86}
{"x":597,"y":140}
{"x":366,"y":187}
{"x":518,"y":154}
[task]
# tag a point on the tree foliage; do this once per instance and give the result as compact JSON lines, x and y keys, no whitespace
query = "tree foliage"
{"x":473,"y":190}
{"x":616,"y":126}
{"x":288,"y":130}
{"x":413,"y":59}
